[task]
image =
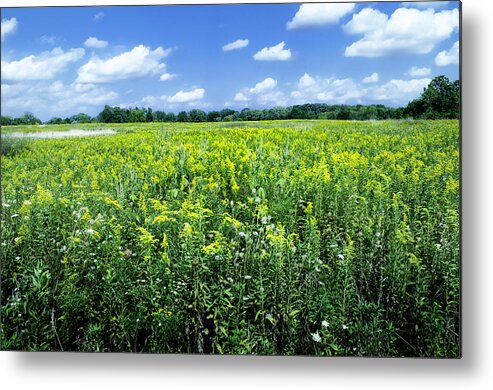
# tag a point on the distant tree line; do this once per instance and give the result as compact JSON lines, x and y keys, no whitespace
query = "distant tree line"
{"x":439,"y":100}
{"x":27,"y":119}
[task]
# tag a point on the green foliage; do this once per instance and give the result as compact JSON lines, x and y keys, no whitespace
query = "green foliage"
{"x":440,"y":100}
{"x":27,"y":119}
{"x":316,"y":238}
{"x":11,"y":146}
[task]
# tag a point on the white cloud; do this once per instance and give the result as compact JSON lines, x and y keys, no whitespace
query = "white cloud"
{"x":333,"y":90}
{"x":9,"y":26}
{"x":312,"y":15}
{"x":139,"y":62}
{"x":451,"y":56}
{"x":274,"y":53}
{"x":340,"y":91}
{"x":48,"y":39}
{"x":189,"y":96}
{"x":42,"y":67}
{"x":373,"y":78}
{"x":99,"y":16}
{"x":265,"y":85}
{"x":167,"y":76}
{"x":306,"y":81}
{"x":238,"y":44}
{"x":265,"y":92}
{"x":400,"y":90}
{"x":367,"y":20}
{"x":272,"y":98}
{"x":95,"y":43}
{"x":54,"y":98}
{"x":408,"y":30}
{"x":240,"y":97}
{"x":418,"y":72}
{"x":424,"y":4}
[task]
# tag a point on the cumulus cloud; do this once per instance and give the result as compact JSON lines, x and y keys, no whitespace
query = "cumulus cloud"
{"x":367,"y":20}
{"x":418,"y":72}
{"x":314,"y":15}
{"x":95,"y":43}
{"x":54,"y":98}
{"x":191,"y":98}
{"x":265,"y":85}
{"x":41,"y":67}
{"x":188,"y":96}
{"x":265,"y":92}
{"x":400,"y":90}
{"x":451,"y":56}
{"x":241,"y":97}
{"x":238,"y":44}
{"x":311,"y":88}
{"x":424,"y":4}
{"x":9,"y":26}
{"x":274,"y":53}
{"x":306,"y":81}
{"x":373,"y":78}
{"x":345,"y":90}
{"x":139,"y":62}
{"x":167,"y":76}
{"x":408,"y":30}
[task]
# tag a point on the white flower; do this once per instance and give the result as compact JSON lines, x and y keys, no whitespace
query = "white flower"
{"x":247,"y":277}
{"x":17,"y":239}
{"x":28,"y":203}
{"x":17,"y":258}
{"x":14,"y":215}
{"x":242,"y":234}
{"x":230,"y":280}
{"x":90,"y":231}
{"x":6,"y":205}
{"x":316,"y":337}
{"x":345,"y":327}
{"x":325,"y":324}
{"x":340,"y":256}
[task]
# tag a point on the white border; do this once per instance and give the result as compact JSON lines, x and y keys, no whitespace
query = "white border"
{"x":473,"y":371}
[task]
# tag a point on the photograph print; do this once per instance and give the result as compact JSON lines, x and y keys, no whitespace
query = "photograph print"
{"x":237,"y":179}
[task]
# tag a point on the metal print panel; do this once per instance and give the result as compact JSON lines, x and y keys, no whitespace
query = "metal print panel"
{"x":267,"y":179}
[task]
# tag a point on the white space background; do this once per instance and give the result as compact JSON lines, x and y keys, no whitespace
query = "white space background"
{"x":474,"y":371}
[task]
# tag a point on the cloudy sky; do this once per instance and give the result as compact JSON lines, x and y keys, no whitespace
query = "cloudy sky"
{"x":65,"y":60}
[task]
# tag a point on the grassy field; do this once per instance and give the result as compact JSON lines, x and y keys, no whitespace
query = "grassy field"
{"x":314,"y":238}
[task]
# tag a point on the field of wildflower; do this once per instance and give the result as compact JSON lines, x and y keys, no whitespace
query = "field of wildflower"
{"x":329,"y":238}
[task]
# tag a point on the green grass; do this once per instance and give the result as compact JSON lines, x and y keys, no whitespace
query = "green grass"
{"x":324,"y":238}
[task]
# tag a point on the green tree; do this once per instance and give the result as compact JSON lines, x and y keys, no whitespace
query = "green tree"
{"x":80,"y":118}
{"x":213,"y":116}
{"x":136,"y":115}
{"x":7,"y":120}
{"x":149,"y":117}
{"x":55,"y":121}
{"x":196,"y":115}
{"x":182,"y":117}
{"x":440,"y":100}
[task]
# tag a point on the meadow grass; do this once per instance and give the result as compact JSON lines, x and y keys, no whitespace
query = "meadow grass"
{"x":328,"y":238}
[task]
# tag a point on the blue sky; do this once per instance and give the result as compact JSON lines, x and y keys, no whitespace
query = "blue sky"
{"x":58,"y":61}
